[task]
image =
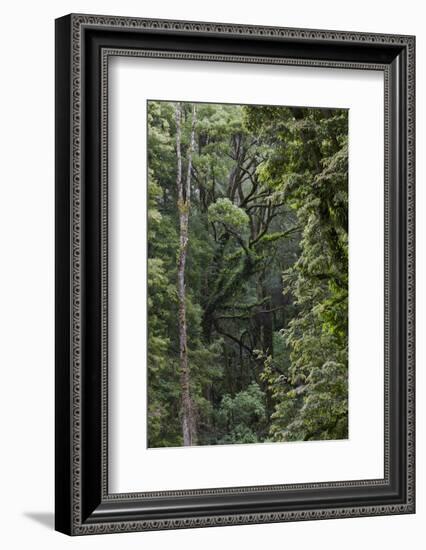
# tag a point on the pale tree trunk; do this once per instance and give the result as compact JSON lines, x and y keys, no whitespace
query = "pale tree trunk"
{"x":184,"y":198}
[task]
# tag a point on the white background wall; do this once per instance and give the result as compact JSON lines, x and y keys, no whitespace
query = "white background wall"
{"x":27,"y":260}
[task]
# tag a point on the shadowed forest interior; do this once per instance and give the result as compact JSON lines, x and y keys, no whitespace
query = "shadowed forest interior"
{"x":247,"y":274}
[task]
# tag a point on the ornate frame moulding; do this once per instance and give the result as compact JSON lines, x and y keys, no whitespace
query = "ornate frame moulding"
{"x":84,"y":44}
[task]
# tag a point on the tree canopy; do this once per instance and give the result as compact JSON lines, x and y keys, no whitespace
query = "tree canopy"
{"x":247,"y":274}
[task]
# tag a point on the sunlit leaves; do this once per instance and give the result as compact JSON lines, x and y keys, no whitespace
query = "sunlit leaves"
{"x":223,"y":211}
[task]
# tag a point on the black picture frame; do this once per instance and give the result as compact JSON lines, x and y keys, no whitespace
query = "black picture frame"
{"x":83,"y":504}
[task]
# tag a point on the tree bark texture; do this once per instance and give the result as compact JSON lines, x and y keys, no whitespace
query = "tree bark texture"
{"x":184,"y":198}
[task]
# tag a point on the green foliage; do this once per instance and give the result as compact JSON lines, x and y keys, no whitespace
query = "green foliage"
{"x":266,"y":274}
{"x":243,"y":418}
{"x":231,"y":216}
{"x":311,"y":401}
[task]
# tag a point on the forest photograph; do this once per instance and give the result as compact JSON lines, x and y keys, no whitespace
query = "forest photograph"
{"x":247,"y":269}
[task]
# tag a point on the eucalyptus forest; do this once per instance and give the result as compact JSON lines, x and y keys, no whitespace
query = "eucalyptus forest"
{"x":247,"y":273}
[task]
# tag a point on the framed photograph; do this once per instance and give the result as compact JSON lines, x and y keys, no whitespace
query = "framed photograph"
{"x":234,"y":274}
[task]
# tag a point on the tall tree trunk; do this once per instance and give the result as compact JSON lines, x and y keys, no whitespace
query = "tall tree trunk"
{"x":184,"y":198}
